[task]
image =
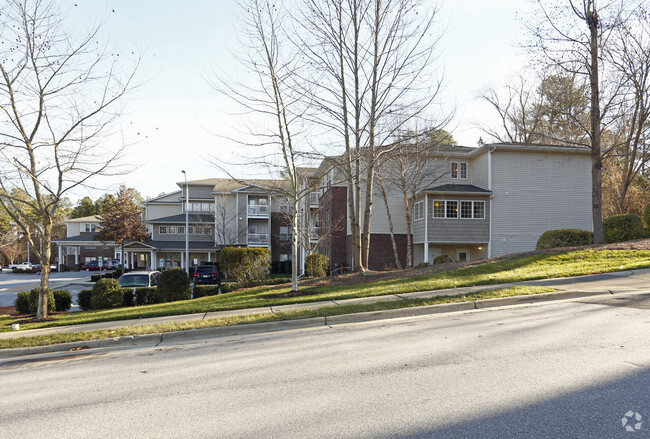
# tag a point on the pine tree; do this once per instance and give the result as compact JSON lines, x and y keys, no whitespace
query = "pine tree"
{"x":121,"y":221}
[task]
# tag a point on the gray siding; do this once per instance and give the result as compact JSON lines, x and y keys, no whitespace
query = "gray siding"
{"x":535,"y":192}
{"x":479,"y":171}
{"x":458,"y":230}
{"x":200,"y":192}
{"x":242,"y":212}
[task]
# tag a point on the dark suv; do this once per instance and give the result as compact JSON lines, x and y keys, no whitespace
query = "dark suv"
{"x":207,"y":274}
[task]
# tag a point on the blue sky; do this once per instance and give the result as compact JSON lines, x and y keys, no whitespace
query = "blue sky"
{"x":172,"y":117}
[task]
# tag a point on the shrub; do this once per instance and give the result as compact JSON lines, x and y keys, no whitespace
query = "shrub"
{"x":128,"y":297}
{"x":173,"y":284}
{"x":62,"y":300}
{"x":205,"y":290}
{"x":619,"y":228}
{"x":564,"y":238}
{"x":646,"y":216}
{"x":146,"y":296}
{"x":316,"y":265}
{"x":84,"y":299}
{"x":442,"y":259}
{"x":22,"y":302}
{"x":107,"y":293}
{"x":27,"y":301}
{"x":246,"y":265}
{"x":229,"y":287}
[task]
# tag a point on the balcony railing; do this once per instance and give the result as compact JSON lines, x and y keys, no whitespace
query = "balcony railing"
{"x":258,"y":210}
{"x":313,"y":234}
{"x":258,"y":239}
{"x":313,"y":199}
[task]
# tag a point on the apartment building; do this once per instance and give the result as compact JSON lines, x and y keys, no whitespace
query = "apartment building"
{"x":468,"y":204}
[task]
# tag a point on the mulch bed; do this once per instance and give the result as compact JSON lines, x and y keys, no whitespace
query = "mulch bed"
{"x":24,"y":318}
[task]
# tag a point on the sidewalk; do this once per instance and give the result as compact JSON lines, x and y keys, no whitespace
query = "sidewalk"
{"x":569,"y":288}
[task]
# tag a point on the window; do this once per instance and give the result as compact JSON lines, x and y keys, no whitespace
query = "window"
{"x":479,"y":209}
{"x":162,"y":230}
{"x":438,"y":209}
{"x":200,"y":206}
{"x":451,"y":209}
{"x":465,"y":209}
{"x":468,"y":209}
{"x":459,"y":170}
{"x":418,"y":210}
{"x":284,"y":257}
{"x":284,"y":233}
{"x":90,"y":227}
{"x":180,"y":230}
{"x":463,"y":171}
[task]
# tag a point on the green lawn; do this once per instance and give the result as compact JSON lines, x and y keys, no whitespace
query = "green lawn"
{"x":261,"y":318}
{"x":545,"y":265}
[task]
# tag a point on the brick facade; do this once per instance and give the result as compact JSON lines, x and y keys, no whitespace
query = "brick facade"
{"x":332,"y":217}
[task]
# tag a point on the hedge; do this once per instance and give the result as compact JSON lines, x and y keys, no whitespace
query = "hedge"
{"x":564,"y":238}
{"x":619,"y":228}
{"x":146,"y":296}
{"x":442,"y":259}
{"x":27,"y":301}
{"x":173,"y":284}
{"x":205,"y":290}
{"x":107,"y":293}
{"x":246,"y":265}
{"x":316,"y":265}
{"x":84,"y":299}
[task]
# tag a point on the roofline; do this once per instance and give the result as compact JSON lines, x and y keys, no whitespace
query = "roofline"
{"x":528,"y":147}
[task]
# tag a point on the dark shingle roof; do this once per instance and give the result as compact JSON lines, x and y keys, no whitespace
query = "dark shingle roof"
{"x":193,"y":218}
{"x":457,"y":188}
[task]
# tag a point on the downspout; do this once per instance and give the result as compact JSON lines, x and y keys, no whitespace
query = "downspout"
{"x":491,"y":198}
{"x":426,"y":228}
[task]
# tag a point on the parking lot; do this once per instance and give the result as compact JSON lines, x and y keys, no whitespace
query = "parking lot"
{"x":13,"y":283}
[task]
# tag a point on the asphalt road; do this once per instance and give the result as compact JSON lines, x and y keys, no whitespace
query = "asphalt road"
{"x":563,"y":369}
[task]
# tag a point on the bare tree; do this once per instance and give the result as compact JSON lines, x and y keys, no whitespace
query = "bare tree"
{"x":574,"y":37}
{"x":271,"y":95}
{"x":369,"y":62}
{"x":629,"y":54}
{"x":414,"y":165}
{"x":58,"y":98}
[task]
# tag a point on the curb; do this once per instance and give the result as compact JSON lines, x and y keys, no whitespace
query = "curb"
{"x":312,"y":322}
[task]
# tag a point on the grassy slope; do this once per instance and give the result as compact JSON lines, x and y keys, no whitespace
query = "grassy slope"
{"x":539,"y":266}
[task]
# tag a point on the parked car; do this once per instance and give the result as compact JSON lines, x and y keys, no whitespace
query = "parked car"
{"x":137,"y":279}
{"x":207,"y":274}
{"x":90,"y":266}
{"x":108,"y":265}
{"x":23,"y":267}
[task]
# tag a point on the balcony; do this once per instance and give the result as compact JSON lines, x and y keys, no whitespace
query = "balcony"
{"x":260,"y":239}
{"x":313,"y":199}
{"x":313,"y":234}
{"x":258,"y":210}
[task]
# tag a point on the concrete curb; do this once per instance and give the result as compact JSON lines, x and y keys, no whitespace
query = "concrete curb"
{"x":283,"y":325}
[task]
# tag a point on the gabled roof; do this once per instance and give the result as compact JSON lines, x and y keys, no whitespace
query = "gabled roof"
{"x":85,"y":237}
{"x":180,"y":218}
{"x":85,"y":219}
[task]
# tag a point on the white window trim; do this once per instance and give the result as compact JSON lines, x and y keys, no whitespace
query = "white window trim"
{"x":418,"y":207}
{"x":459,"y":166}
{"x":459,"y":212}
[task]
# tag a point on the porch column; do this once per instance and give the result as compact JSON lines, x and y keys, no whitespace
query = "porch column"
{"x":60,"y":260}
{"x":209,"y":256}
{"x":152,"y":260}
{"x":77,"y":250}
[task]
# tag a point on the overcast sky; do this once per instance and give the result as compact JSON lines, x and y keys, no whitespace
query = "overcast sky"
{"x":173,"y":116}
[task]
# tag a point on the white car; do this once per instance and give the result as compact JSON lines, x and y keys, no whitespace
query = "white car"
{"x":137,"y":279}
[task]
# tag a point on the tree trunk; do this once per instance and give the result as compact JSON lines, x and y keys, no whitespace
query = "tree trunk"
{"x":596,"y":156}
{"x":44,"y":258}
{"x":390,"y":220}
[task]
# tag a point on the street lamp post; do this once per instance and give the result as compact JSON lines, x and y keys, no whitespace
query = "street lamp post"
{"x":187,"y":236}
